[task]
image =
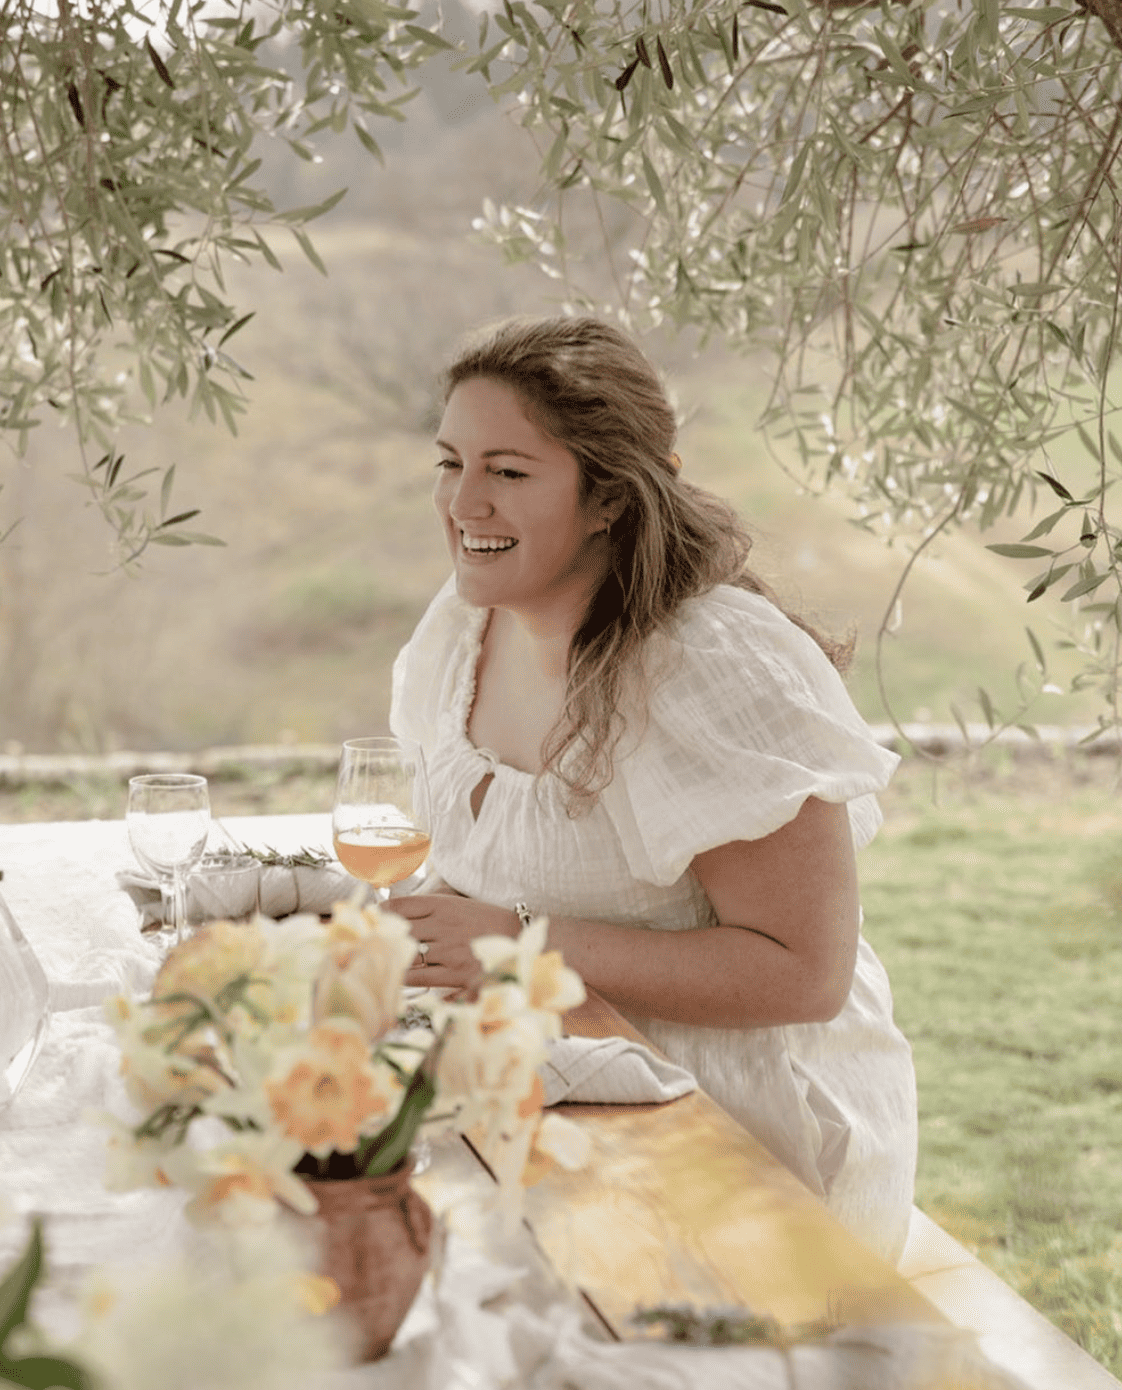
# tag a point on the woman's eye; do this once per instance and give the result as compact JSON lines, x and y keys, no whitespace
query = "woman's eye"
{"x":446,"y":464}
{"x":509,"y":473}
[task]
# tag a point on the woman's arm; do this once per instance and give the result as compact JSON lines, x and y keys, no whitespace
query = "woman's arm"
{"x":783,"y":953}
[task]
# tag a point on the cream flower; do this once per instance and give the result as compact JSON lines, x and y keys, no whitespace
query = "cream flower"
{"x":293,"y":951}
{"x":207,"y":962}
{"x":131,"y":1162}
{"x":562,"y":1141}
{"x":550,"y":986}
{"x":213,"y":1320}
{"x":329,"y":1093}
{"x":491,"y":1056}
{"x":240,"y":1182}
{"x":153,"y":1077}
{"x":363,"y":982}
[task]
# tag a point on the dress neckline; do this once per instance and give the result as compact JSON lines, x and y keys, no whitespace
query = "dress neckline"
{"x":474,"y":632}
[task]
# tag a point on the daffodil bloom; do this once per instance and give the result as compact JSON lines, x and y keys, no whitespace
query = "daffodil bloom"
{"x":130,"y":1162}
{"x":550,"y":986}
{"x":155,"y":1076}
{"x":329,"y":1093}
{"x":207,"y":964}
{"x":361,"y":976}
{"x":240,"y":1182}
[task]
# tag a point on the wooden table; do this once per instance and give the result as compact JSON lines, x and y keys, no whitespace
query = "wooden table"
{"x":679,"y":1204}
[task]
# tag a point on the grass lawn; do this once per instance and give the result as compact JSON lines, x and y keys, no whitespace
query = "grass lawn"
{"x":994,"y":897}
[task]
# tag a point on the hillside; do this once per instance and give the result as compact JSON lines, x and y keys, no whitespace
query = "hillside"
{"x":332,"y":552}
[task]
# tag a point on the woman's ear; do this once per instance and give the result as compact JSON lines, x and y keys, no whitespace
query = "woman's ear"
{"x":611,"y":507}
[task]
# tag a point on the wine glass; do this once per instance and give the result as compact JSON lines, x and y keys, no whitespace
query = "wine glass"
{"x":381,"y":821}
{"x":168,"y":817}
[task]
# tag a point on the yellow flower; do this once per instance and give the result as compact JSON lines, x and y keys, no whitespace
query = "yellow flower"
{"x":211,"y":958}
{"x":316,"y":1293}
{"x":362,"y":980}
{"x":197,"y":1069}
{"x":550,"y":986}
{"x":241,"y":1181}
{"x":331,"y":1092}
{"x":491,"y":1057}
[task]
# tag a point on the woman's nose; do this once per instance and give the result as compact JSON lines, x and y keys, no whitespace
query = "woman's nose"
{"x":471,"y":499}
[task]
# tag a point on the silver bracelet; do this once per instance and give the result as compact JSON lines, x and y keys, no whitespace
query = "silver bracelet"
{"x":524,"y":915}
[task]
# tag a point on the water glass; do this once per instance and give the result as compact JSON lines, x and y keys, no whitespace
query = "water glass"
{"x":223,"y":887}
{"x":168,"y":817}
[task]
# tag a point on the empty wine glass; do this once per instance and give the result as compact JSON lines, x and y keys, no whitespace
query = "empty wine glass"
{"x":380,"y":822}
{"x":168,"y":816}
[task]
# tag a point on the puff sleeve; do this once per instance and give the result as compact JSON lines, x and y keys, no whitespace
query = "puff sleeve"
{"x":746,"y":719}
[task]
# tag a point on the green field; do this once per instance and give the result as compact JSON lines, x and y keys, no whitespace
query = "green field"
{"x":997,"y":911}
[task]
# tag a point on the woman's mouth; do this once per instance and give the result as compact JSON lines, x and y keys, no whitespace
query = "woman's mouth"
{"x":486,"y":545}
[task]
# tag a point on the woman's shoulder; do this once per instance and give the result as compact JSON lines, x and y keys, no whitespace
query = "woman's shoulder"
{"x":734,"y":635}
{"x":744,"y":718}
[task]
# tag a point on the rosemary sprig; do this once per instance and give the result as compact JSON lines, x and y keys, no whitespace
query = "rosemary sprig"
{"x":303,"y":858}
{"x":722,"y":1327}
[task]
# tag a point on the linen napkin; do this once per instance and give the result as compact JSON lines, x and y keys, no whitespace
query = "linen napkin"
{"x":610,"y":1071}
{"x":280,"y":890}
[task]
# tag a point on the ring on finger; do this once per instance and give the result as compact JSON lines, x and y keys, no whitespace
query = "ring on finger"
{"x":423,"y":952}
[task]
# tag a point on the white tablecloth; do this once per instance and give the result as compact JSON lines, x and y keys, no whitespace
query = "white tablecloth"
{"x":493,"y":1319}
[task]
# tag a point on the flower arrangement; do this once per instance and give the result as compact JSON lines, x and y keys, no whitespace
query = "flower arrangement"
{"x":277,"y":1051}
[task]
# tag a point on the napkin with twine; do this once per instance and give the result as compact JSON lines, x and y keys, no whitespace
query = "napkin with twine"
{"x":610,"y":1071}
{"x":282,"y":889}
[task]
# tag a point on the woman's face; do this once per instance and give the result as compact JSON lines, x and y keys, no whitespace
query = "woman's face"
{"x":508,"y":495}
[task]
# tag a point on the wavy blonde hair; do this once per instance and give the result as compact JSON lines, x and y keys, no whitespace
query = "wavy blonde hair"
{"x":589,"y":387}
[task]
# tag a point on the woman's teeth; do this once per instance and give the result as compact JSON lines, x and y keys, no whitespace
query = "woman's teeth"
{"x":488,"y":543}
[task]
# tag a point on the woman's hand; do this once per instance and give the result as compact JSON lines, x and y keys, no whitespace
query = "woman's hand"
{"x":447,"y":924}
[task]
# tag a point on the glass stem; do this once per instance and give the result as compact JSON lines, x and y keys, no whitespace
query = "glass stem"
{"x":178,"y":905}
{"x":167,"y":904}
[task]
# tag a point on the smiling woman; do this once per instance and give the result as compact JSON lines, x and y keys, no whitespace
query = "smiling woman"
{"x":624,"y":731}
{"x":522,"y":535}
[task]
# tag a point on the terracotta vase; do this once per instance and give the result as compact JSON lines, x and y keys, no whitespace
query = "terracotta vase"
{"x":375,"y":1235}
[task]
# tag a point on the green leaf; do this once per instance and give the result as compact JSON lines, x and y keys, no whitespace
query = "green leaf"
{"x":308,"y":249}
{"x":1037,"y":651}
{"x":654,"y":183}
{"x":179,"y":517}
{"x":1056,"y":486}
{"x":430,"y":38}
{"x":45,"y":1373}
{"x":236,"y":326}
{"x":1019,"y":551}
{"x":16,"y":1287}
{"x":158,"y":63}
{"x":895,"y":58}
{"x":313,"y":210}
{"x":367,"y":141}
{"x":794,"y":178}
{"x":266,"y":250}
{"x":386,"y":1150}
{"x":1042,"y":528}
{"x":1087,"y":585}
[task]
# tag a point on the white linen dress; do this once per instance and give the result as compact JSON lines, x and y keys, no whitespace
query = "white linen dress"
{"x":745,"y":719}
